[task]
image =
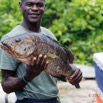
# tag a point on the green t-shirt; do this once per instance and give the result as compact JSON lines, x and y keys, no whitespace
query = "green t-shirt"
{"x":43,"y":86}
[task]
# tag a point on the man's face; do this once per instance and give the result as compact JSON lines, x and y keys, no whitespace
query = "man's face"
{"x":32,"y":10}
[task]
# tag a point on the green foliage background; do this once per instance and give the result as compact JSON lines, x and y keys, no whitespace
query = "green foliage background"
{"x":77,"y":24}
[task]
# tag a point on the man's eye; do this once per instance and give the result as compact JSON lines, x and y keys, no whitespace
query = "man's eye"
{"x":29,"y":4}
{"x":37,"y":4}
{"x":40,"y":5}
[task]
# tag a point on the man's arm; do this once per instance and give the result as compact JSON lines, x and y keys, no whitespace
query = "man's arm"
{"x":10,"y":83}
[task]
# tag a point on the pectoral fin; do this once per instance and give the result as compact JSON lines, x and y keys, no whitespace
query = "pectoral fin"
{"x":70,"y":55}
{"x":51,"y":56}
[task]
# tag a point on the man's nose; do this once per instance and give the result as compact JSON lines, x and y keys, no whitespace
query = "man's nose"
{"x":35,"y":7}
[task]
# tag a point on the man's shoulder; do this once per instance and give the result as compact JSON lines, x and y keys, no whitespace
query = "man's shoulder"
{"x":45,"y":29}
{"x":15,"y":31}
{"x":47,"y":32}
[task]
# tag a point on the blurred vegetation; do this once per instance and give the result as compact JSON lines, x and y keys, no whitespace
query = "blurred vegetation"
{"x":78,"y":25}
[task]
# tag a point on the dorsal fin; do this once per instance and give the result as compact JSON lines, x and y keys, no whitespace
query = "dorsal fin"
{"x":68,"y":52}
{"x":70,"y":55}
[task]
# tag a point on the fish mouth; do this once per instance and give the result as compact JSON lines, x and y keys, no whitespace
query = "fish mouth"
{"x":6,"y":47}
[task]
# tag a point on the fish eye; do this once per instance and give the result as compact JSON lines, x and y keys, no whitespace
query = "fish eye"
{"x":25,"y":49}
{"x":18,"y":40}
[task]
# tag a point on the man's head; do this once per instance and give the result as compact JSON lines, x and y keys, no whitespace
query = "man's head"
{"x":32,"y":10}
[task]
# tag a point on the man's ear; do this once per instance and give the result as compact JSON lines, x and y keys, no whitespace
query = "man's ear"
{"x":20,"y":5}
{"x":45,"y":5}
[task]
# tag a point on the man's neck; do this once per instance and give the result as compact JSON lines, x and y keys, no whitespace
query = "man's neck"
{"x":32,"y":27}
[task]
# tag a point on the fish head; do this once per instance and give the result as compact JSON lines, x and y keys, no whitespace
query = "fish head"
{"x":20,"y":46}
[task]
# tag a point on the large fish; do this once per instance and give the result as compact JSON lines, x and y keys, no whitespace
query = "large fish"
{"x":25,"y":46}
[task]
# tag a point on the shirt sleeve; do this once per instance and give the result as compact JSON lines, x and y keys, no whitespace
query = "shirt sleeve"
{"x":48,"y":33}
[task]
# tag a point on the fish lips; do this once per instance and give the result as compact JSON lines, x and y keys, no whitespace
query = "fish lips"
{"x":9,"y":50}
{"x":6,"y":47}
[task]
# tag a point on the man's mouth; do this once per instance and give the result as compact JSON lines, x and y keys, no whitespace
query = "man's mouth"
{"x":34,"y":14}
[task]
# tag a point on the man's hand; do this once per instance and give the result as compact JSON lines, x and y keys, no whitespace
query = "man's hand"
{"x":38,"y":64}
{"x":76,"y":77}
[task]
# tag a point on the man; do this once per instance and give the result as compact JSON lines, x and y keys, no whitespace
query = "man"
{"x":30,"y":83}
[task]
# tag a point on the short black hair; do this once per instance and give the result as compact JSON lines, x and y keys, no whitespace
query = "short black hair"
{"x":24,"y":0}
